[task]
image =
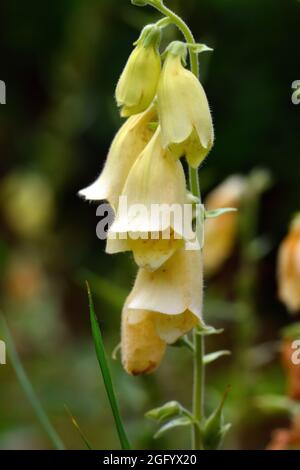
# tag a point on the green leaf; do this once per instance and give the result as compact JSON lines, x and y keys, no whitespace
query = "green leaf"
{"x":209,"y":330}
{"x":277,"y":404}
{"x":104,"y":289}
{"x":101,"y":356}
{"x":215,"y":429}
{"x":168,"y":410}
{"x":209,"y":358}
{"x":198,"y":48}
{"x":28,"y":388}
{"x":218,"y":212}
{"x":77,"y":427}
{"x":175,"y":423}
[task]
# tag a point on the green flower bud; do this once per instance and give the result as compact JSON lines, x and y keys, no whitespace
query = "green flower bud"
{"x":168,"y":410}
{"x":138,"y":83}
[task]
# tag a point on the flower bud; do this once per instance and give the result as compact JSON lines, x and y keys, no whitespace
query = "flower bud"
{"x":186,"y":123}
{"x":166,"y":411}
{"x":289,"y":267}
{"x":129,"y":142}
{"x":137,"y":85}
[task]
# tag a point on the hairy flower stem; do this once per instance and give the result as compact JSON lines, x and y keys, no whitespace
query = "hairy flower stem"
{"x":198,"y":339}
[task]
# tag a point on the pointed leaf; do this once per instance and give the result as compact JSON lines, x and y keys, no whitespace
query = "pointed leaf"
{"x":198,"y":48}
{"x":77,"y":427}
{"x":209,"y":358}
{"x":168,"y":410}
{"x":175,"y":423}
{"x":209,"y":330}
{"x":214,"y":429}
{"x":101,"y":356}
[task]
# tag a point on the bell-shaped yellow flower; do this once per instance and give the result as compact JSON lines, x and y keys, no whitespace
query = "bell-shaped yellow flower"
{"x":185,"y":118}
{"x":221,"y":232}
{"x":289,"y":267}
{"x":174,"y":288}
{"x":127,"y":145}
{"x":137,"y":85}
{"x":154,"y":196}
{"x":162,"y":307}
{"x":142,"y":348}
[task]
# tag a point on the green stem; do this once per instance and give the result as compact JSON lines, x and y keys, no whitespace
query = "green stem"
{"x":198,"y":388}
{"x":163,"y":22}
{"x":183,"y":27}
{"x":28,"y":389}
{"x":199,"y":344}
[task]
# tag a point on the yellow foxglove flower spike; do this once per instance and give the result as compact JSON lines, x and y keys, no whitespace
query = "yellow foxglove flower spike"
{"x":185,"y":118}
{"x":155,"y":182}
{"x":127,"y":145}
{"x":137,"y":85}
{"x":221,"y":232}
{"x":289,"y":267}
{"x":162,"y":307}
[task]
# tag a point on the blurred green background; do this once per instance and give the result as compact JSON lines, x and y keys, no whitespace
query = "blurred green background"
{"x":60,"y":61}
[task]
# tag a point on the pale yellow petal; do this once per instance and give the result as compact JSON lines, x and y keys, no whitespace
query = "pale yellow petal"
{"x":183,"y":106}
{"x":172,"y":327}
{"x":156,"y":180}
{"x":149,"y":254}
{"x":172,"y":289}
{"x":142,"y":348}
{"x":129,"y":142}
{"x":137,"y":85}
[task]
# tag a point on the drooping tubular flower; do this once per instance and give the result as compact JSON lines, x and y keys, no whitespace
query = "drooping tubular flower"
{"x":221,"y":232}
{"x":150,"y":222}
{"x":185,"y":118}
{"x":289,"y":267}
{"x":137,"y":85}
{"x":168,"y":304}
{"x":127,"y":145}
{"x":142,"y":348}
